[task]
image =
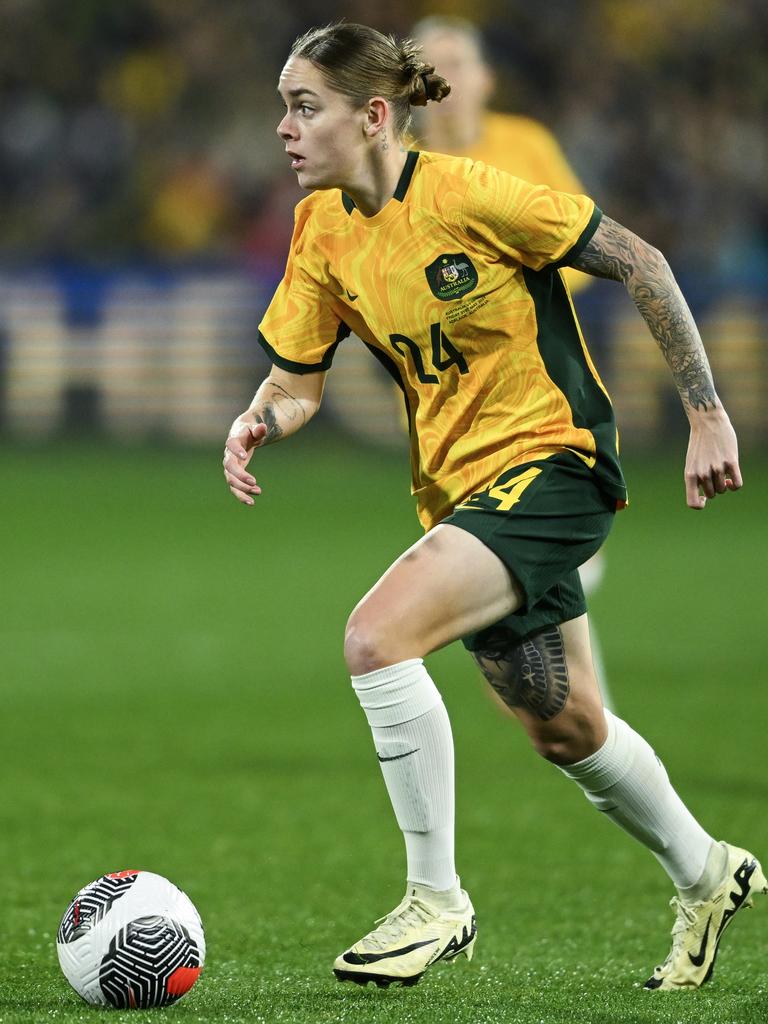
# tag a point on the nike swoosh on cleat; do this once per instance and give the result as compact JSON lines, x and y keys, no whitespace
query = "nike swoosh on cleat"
{"x":456,"y":945}
{"x":351,"y":957}
{"x":742,"y":876}
{"x":699,"y":958}
{"x":396,"y":757}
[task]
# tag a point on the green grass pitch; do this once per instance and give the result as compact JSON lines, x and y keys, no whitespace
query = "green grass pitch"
{"x":174,"y":697}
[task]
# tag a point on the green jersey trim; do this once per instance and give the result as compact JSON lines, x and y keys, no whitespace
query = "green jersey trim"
{"x":563,"y":356}
{"x":581,"y":242}
{"x":291,"y":366}
{"x":402,"y":184}
{"x":407,"y":173}
{"x":392,"y":369}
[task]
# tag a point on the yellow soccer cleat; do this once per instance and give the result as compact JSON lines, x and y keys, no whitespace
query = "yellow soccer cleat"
{"x":410,"y":939}
{"x":699,"y":925}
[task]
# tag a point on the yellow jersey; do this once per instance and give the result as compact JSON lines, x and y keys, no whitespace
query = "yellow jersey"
{"x":526,"y":148}
{"x":455,"y":287}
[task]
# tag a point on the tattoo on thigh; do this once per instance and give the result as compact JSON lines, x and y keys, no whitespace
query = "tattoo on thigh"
{"x":531,"y":675}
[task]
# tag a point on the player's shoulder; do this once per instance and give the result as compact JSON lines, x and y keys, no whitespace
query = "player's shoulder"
{"x":458,"y":170}
{"x":318,"y":214}
{"x":433,"y":166}
{"x":443,"y":180}
{"x":458,"y":187}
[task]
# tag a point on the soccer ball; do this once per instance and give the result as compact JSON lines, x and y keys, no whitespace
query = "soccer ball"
{"x":131,"y":939}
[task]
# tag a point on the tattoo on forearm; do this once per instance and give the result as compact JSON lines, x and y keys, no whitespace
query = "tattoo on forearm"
{"x":614,"y":252}
{"x":267,"y":416}
{"x":279,"y":404}
{"x":532,"y":675}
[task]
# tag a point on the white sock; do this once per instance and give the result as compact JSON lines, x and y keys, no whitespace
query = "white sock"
{"x":414,"y":745}
{"x":626,"y":781}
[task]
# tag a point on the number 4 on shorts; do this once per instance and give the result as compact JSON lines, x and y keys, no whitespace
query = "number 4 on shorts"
{"x":509,"y":494}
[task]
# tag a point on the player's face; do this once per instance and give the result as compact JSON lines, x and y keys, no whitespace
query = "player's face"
{"x":456,"y":58}
{"x":322,"y":131}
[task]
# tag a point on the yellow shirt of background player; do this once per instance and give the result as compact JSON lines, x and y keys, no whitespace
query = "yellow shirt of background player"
{"x":454,"y":286}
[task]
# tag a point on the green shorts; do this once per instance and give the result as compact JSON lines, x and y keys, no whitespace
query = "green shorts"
{"x":543,"y":519}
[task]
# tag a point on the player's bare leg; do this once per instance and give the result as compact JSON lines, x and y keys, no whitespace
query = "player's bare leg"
{"x":548,"y":682}
{"x":446,"y":585}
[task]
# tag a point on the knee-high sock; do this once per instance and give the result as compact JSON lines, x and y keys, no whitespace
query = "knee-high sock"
{"x":626,"y":781}
{"x":414,"y":745}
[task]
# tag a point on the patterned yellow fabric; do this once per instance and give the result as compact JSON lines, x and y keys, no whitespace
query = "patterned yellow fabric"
{"x":452,"y":286}
{"x":524,"y":147}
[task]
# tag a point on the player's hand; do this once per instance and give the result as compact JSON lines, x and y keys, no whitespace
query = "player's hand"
{"x":245,"y":436}
{"x":712,"y":463}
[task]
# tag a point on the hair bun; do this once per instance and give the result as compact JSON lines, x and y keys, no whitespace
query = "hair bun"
{"x":426,"y":86}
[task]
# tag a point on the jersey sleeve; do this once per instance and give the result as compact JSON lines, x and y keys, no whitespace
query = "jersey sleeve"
{"x":300,"y":330}
{"x":533,"y":224}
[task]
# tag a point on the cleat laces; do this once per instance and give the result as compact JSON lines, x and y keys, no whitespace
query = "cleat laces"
{"x":685,"y":919}
{"x":411,"y":913}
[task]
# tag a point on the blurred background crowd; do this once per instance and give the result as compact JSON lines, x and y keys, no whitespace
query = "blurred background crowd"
{"x":145,"y":128}
{"x":146,"y":204}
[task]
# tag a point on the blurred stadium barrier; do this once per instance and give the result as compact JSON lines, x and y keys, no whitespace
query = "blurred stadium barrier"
{"x":150,"y":354}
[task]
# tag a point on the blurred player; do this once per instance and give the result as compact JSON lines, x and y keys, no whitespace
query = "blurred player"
{"x":463,"y":125}
{"x":447,"y":270}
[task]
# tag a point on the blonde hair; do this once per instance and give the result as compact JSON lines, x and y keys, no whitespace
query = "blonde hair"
{"x":360,"y":62}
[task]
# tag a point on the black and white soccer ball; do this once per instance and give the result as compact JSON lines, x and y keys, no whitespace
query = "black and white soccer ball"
{"x":131,"y":939}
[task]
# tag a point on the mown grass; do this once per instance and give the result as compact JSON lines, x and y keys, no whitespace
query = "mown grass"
{"x":175,"y":698}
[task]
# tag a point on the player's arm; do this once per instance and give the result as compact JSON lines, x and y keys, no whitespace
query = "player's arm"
{"x":712,"y":463}
{"x":282,"y":405}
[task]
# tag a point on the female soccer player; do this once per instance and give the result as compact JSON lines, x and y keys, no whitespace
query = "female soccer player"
{"x":449,"y":271}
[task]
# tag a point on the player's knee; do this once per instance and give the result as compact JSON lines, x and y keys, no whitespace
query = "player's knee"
{"x":366,"y":648}
{"x":574,"y":737}
{"x":561,"y":749}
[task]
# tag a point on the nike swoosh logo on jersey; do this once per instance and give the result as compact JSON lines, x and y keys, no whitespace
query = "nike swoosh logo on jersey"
{"x":371,"y":958}
{"x":350,"y":296}
{"x":698,"y":959}
{"x":396,"y":757}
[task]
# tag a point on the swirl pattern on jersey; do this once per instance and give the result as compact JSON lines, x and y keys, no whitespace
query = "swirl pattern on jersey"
{"x":497,"y":376}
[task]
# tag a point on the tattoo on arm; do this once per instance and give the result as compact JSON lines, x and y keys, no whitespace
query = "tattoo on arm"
{"x":280,"y":405}
{"x":267,"y":416}
{"x":614,"y":252}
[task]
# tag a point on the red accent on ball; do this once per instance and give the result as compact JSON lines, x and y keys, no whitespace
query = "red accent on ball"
{"x":182,"y":980}
{"x":121,"y":874}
